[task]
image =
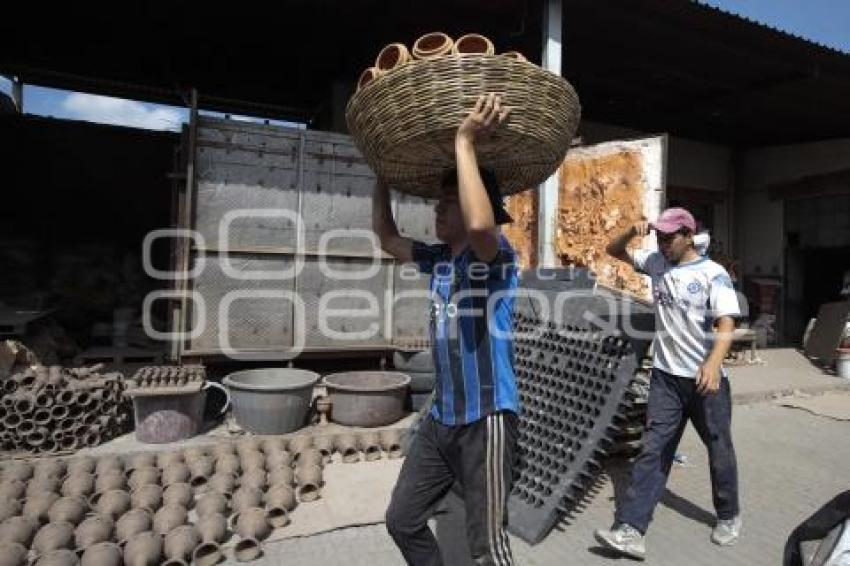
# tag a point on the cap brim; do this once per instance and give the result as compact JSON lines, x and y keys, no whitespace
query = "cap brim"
{"x":666,"y":227}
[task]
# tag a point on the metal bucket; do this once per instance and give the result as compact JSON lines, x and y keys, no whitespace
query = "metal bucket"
{"x":367,"y":398}
{"x":173,"y":416}
{"x":273,"y":400}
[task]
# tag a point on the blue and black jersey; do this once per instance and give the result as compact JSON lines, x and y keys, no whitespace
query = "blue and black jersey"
{"x":471,"y":331}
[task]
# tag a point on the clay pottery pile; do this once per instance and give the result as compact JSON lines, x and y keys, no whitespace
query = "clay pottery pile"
{"x":369,"y":445}
{"x":390,"y":441}
{"x":346,"y":445}
{"x":252,"y":525}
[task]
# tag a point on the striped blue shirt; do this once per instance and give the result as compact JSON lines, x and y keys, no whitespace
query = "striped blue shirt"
{"x":471,"y":308}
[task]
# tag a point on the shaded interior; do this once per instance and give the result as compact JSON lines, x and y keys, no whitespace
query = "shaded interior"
{"x":431,"y":43}
{"x":472,"y":44}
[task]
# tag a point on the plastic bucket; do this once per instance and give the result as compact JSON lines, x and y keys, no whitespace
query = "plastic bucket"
{"x":171,"y":417}
{"x":367,"y":398}
{"x":842,"y":362}
{"x":271,"y":401}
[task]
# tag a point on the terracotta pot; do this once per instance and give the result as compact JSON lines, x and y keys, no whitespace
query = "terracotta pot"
{"x":281,"y":459}
{"x":473,"y":44}
{"x":254,"y":478}
{"x":392,"y":56}
{"x":309,"y":456}
{"x":81,"y":464}
{"x":309,"y":479}
{"x":180,"y":542}
{"x":18,"y":529}
{"x":78,"y":483}
{"x":113,"y":503}
{"x":299,"y":443}
{"x":282,"y":476}
{"x":105,"y":463}
{"x":169,"y":517}
{"x":369,"y":75}
{"x":515,"y":55}
{"x":175,"y":473}
{"x":222,"y":483}
{"x":281,"y":496}
{"x":37,"y":506}
{"x":227,"y":464}
{"x":178,"y":494}
{"x":248,"y":444}
{"x":110,"y":479}
{"x":133,"y":522}
{"x":12,"y":489}
{"x":165,"y":459}
{"x":94,"y":529}
{"x":148,"y":496}
{"x":325,"y":445}
{"x":53,"y":536}
{"x":61,"y":557}
{"x":277,"y":516}
{"x":431,"y":45}
{"x":141,"y":460}
{"x":49,"y":484}
{"x":368,"y":443}
{"x":17,"y":470}
{"x":71,"y":508}
{"x":11,"y":508}
{"x":212,"y":528}
{"x":144,"y":476}
{"x":346,"y":445}
{"x":252,"y":522}
{"x":246,"y":497}
{"x":252,"y":460}
{"x":12,"y":554}
{"x":390,"y":441}
{"x":102,"y":554}
{"x":207,"y":554}
{"x":144,"y":549}
{"x":211,"y":503}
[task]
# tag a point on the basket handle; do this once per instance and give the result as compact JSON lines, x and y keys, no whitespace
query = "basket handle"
{"x":224,"y":390}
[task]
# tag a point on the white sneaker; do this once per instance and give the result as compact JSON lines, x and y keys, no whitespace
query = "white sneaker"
{"x":727,"y":531}
{"x":624,"y":539}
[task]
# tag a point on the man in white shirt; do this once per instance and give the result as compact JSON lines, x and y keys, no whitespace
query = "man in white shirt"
{"x":695,"y":304}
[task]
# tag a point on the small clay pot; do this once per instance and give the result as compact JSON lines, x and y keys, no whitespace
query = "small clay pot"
{"x":309,"y":479}
{"x":37,"y":506}
{"x":272,"y":444}
{"x":12,"y":489}
{"x":195,"y":452}
{"x":248,"y":444}
{"x":141,"y":460}
{"x":175,"y":473}
{"x":10,"y":508}
{"x":94,"y":529}
{"x":247,"y":549}
{"x":71,"y":508}
{"x":102,"y":554}
{"x":50,"y":468}
{"x":178,"y":494}
{"x":212,"y":528}
{"x":201,"y":467}
{"x":207,"y":554}
{"x":165,"y":459}
{"x":281,"y":476}
{"x":12,"y":554}
{"x":180,"y":542}
{"x":169,"y":517}
{"x":298,"y":444}
{"x":368,"y":443}
{"x":105,"y":463}
{"x":53,"y":536}
{"x":211,"y":503}
{"x":18,"y":529}
{"x":281,"y":496}
{"x":346,"y":445}
{"x":17,"y":470}
{"x":144,"y":476}
{"x":144,"y":549}
{"x":148,"y":496}
{"x":251,"y":522}
{"x":309,"y":456}
{"x":113,"y":503}
{"x":390,"y":441}
{"x":281,"y":459}
{"x":78,"y":483}
{"x":49,"y":484}
{"x":246,"y":497}
{"x":222,"y":449}
{"x":255,"y":477}
{"x":61,"y":557}
{"x":110,"y":479}
{"x":222,"y":483}
{"x":252,"y":460}
{"x":227,"y":464}
{"x":277,"y":516}
{"x":133,"y":522}
{"x":81,"y":465}
{"x":325,"y":445}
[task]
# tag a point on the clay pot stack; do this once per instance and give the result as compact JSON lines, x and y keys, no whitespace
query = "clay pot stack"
{"x":53,"y":409}
{"x":149,"y":377}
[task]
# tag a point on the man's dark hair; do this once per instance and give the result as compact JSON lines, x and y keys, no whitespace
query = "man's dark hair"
{"x":500,"y":215}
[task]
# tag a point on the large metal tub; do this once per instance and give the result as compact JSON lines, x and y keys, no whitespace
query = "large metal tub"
{"x":367,"y":398}
{"x":271,"y":401}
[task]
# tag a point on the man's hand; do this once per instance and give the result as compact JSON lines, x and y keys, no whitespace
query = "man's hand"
{"x":487,"y":114}
{"x":708,"y":378}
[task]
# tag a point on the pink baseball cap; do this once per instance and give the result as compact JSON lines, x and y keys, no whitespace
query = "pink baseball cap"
{"x":673,"y":220}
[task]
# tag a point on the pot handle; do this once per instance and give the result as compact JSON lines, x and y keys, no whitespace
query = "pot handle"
{"x":224,"y":390}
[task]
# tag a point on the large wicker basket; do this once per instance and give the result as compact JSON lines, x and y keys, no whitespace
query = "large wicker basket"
{"x":405,"y":122}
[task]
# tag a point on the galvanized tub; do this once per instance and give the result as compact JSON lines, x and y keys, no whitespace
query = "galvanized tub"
{"x":367,"y":398}
{"x":272,"y":400}
{"x":172,"y":416}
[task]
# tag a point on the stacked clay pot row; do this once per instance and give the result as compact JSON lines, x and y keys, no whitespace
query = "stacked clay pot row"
{"x":168,"y":376}
{"x":51,"y":409}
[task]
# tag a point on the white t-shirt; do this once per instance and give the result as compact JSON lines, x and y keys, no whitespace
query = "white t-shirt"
{"x":688,"y":297}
